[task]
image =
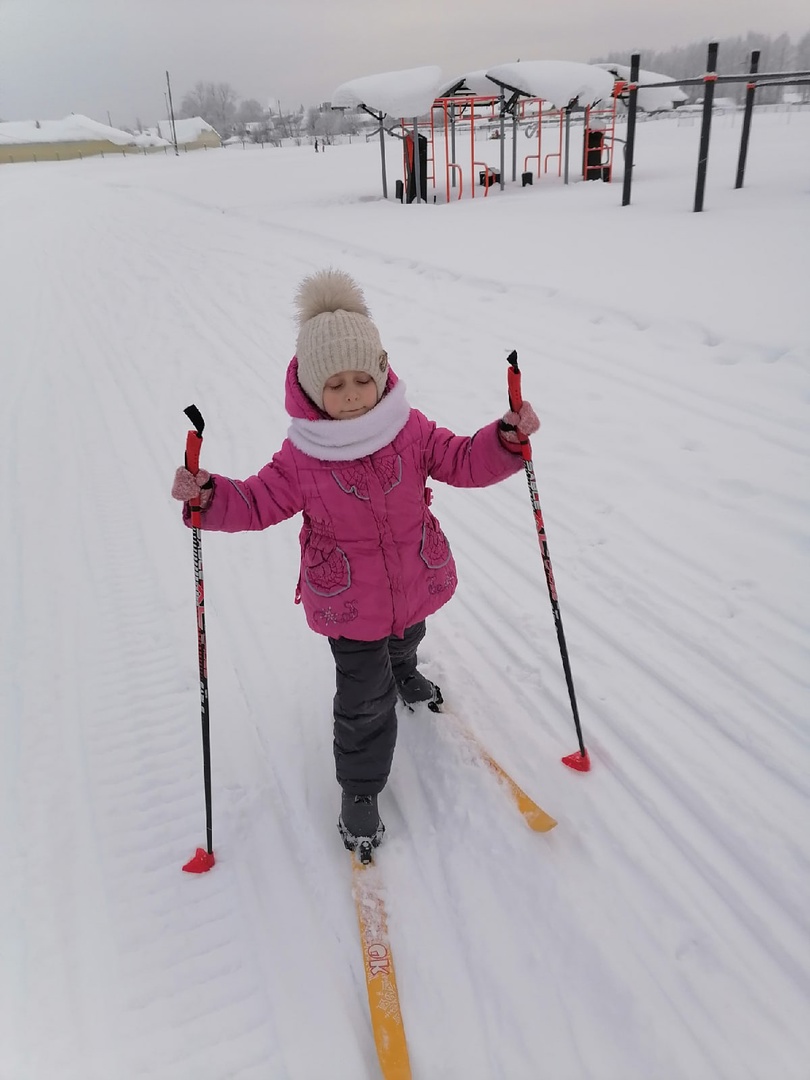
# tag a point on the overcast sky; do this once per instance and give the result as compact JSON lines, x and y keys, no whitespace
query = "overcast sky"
{"x":95,"y":56}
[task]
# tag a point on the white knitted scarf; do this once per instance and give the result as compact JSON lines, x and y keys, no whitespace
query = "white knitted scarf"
{"x":345,"y":440}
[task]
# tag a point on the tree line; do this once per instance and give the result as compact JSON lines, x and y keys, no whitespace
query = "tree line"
{"x":220,"y":106}
{"x":734,"y":56}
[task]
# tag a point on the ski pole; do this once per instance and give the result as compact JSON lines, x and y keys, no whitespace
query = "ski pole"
{"x":203,"y":859}
{"x":579,"y":760}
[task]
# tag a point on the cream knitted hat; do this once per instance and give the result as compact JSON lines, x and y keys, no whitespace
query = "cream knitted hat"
{"x":335,"y":333}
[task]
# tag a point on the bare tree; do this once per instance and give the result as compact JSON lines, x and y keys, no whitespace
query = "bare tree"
{"x":291,"y":124}
{"x":802,"y":57}
{"x":689,"y":61}
{"x":249,"y":111}
{"x":214,"y":102}
{"x":325,"y":123}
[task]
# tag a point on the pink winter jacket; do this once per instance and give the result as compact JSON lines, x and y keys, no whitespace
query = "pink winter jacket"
{"x":374,"y":559}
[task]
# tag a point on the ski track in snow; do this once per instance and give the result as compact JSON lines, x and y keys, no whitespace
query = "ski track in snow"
{"x":676,"y":879}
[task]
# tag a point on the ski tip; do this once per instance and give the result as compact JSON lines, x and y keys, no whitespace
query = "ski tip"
{"x":538,"y":820}
{"x":200,"y":862}
{"x":578,"y":761}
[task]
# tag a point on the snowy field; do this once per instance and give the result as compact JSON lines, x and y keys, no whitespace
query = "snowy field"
{"x":660,"y":932}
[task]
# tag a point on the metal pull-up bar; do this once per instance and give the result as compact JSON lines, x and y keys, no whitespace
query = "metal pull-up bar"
{"x":753,"y":79}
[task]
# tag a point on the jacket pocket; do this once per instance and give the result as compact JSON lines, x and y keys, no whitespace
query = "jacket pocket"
{"x":434,"y":550}
{"x":324,"y":566}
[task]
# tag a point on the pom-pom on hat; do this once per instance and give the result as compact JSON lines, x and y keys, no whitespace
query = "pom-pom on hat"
{"x":335,"y":333}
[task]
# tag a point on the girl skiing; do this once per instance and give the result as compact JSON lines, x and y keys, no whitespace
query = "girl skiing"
{"x":374,"y":560}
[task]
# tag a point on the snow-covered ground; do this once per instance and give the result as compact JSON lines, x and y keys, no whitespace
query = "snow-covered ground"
{"x":660,"y":932}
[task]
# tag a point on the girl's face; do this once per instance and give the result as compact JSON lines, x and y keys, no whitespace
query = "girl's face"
{"x":349,"y":394}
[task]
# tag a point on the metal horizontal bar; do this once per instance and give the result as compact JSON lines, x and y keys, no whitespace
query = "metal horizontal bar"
{"x":789,"y":78}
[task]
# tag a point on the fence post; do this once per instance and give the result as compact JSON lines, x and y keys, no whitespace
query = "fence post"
{"x":746,"y":128}
{"x":709,"y":80}
{"x":630,"y":145}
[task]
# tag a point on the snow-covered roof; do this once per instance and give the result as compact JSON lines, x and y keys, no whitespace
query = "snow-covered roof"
{"x":472,"y":82}
{"x":557,"y":81}
{"x":188,"y":130}
{"x":654,"y":99}
{"x":74,"y":128}
{"x":413,"y":91}
{"x":396,"y":93}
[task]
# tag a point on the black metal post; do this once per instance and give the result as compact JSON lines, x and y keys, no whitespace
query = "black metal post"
{"x":746,"y":128}
{"x":630,"y":145}
{"x":453,"y":143}
{"x":502,"y":133}
{"x":381,"y":117}
{"x":515,"y":129}
{"x":709,"y":80}
{"x":417,"y":165}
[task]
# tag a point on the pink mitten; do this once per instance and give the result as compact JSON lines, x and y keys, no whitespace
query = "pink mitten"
{"x":190,"y":488}
{"x":516,"y":427}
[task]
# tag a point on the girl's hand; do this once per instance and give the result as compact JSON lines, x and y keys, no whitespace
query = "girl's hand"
{"x":190,"y":488}
{"x":516,"y":427}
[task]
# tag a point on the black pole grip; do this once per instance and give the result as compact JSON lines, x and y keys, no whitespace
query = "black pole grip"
{"x":196,"y":418}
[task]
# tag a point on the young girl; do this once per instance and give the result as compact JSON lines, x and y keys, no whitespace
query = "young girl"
{"x":374,"y":560}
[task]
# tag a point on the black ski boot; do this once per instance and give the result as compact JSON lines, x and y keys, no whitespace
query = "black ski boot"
{"x":360,"y":825}
{"x":415,"y":689}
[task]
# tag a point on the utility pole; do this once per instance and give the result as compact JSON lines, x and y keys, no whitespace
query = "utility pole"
{"x":171,"y":113}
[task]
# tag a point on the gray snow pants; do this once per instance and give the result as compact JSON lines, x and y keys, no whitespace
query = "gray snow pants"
{"x":365,"y":730}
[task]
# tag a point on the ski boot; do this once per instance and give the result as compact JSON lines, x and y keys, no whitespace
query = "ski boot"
{"x":360,"y":825}
{"x":415,"y":689}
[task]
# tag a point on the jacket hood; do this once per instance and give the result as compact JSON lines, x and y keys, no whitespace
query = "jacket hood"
{"x":300,"y":407}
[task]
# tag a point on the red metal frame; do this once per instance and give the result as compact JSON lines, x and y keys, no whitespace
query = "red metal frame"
{"x":471,"y":107}
{"x":608,"y":129}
